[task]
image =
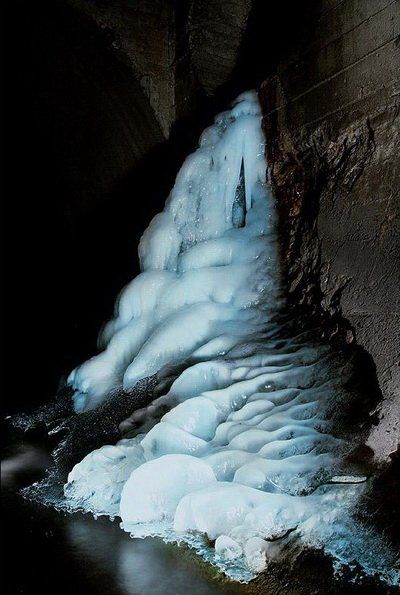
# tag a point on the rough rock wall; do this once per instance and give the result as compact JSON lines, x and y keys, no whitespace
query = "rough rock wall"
{"x":216,"y":31}
{"x":333,"y":128}
{"x":142,"y":34}
{"x":176,"y":50}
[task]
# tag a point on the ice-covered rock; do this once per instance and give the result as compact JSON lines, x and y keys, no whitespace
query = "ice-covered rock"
{"x":256,"y":551}
{"x":238,"y":448}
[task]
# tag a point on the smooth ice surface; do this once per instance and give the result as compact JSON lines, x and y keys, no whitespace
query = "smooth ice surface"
{"x":156,"y":488}
{"x":244,"y":454}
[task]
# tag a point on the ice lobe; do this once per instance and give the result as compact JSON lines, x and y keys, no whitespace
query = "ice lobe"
{"x":109,"y":467}
{"x":154,"y":490}
{"x":245,"y":453}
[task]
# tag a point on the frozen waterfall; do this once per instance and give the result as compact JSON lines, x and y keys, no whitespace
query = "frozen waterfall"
{"x":238,"y":449}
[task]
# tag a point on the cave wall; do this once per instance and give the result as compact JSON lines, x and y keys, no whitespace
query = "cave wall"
{"x":116,"y":83}
{"x":177,"y":51}
{"x":141,"y":34}
{"x":77,"y":129}
{"x":331,"y":118}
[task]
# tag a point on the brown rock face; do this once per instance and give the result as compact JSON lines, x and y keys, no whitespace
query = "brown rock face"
{"x":331,"y":120}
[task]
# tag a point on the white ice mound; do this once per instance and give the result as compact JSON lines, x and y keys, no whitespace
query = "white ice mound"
{"x":109,"y":467}
{"x":155,"y":489}
{"x":246,"y":443}
{"x":208,"y":261}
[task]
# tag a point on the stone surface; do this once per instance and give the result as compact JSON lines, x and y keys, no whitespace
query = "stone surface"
{"x":142,"y":34}
{"x":177,"y":50}
{"x":332,"y":123}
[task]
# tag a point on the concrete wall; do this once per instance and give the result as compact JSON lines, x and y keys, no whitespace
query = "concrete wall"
{"x":333,"y":128}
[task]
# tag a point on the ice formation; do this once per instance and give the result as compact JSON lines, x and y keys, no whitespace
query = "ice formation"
{"x":239,"y":448}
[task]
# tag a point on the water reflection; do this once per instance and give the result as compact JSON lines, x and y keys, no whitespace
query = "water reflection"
{"x":74,"y":553}
{"x":143,"y":565}
{"x":64,"y":554}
